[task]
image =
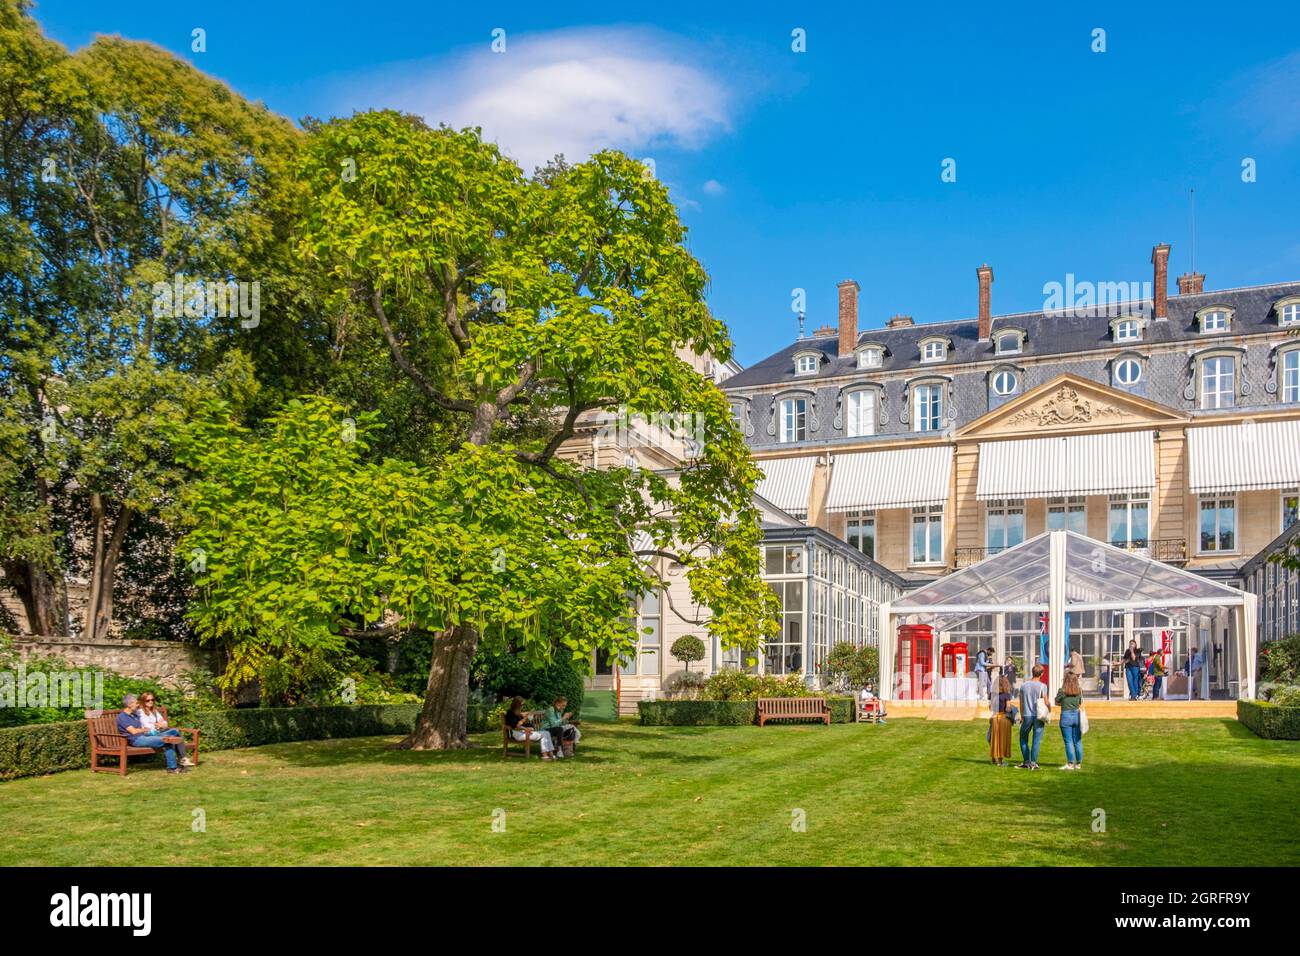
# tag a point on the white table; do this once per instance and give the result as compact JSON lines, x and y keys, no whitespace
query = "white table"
{"x":958,"y":688}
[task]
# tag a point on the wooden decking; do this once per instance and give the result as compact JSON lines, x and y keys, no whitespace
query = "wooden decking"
{"x":1097,"y":709}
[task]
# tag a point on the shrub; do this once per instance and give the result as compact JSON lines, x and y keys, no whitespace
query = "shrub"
{"x":684,"y":684}
{"x":848,"y":666}
{"x":737,"y":685}
{"x":1279,"y":661}
{"x":1286,"y":696}
{"x":686,"y":649}
{"x":1270,"y":720}
{"x":510,"y":675}
{"x":721,"y":713}
{"x":46,"y":748}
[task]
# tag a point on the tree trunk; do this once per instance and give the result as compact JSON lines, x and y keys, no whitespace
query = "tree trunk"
{"x":103,"y":568}
{"x":441,"y":724}
{"x":44,"y":596}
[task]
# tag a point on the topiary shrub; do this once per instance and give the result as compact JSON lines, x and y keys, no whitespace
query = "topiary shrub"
{"x":686,"y":649}
{"x":511,"y":675}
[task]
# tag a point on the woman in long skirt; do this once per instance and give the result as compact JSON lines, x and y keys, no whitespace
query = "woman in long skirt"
{"x":1000,"y":724}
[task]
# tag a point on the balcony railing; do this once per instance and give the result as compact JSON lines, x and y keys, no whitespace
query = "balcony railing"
{"x":1168,"y":550}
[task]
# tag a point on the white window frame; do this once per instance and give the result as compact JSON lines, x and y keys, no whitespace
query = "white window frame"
{"x":1203,"y":319}
{"x":794,"y":420}
{"x":870,"y":357}
{"x":998,"y":517}
{"x":1294,"y":495}
{"x":1288,"y":375}
{"x":855,"y":424}
{"x":1067,"y":508}
{"x":1129,"y":504}
{"x":638,"y":666}
{"x":934,"y":393}
{"x":933,"y":350}
{"x":1221,"y":398}
{"x":929,"y":515}
{"x":1288,"y":312}
{"x":1124,"y":362}
{"x":1128,"y":330}
{"x":1015,"y":335}
{"x":862,"y":522}
{"x":1221,"y":503}
{"x":1005,"y":373}
{"x":806,"y":364}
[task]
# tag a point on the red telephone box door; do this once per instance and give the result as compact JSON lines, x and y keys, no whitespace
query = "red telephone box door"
{"x":915,"y":646}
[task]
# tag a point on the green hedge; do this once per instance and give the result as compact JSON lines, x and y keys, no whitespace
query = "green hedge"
{"x":47,"y":748}
{"x":721,"y":713}
{"x":1269,"y":720}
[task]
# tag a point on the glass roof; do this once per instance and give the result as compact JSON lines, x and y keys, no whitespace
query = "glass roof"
{"x":1097,"y":576}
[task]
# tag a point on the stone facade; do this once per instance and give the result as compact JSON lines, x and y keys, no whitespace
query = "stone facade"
{"x":164,"y":661}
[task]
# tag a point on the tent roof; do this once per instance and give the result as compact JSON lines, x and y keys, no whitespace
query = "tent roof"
{"x":1098,"y":576}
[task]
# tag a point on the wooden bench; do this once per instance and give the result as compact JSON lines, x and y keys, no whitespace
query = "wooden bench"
{"x":106,"y":741}
{"x":527,"y":744}
{"x":793,"y":708}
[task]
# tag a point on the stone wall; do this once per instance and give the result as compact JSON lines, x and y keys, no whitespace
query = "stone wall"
{"x":165,"y":661}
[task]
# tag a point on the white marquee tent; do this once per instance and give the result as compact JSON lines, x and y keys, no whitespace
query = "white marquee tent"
{"x":1059,"y":572}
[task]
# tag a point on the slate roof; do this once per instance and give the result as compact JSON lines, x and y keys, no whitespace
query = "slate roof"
{"x":1046,"y":334}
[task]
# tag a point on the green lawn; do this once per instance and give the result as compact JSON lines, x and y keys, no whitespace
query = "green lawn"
{"x":912,"y":792}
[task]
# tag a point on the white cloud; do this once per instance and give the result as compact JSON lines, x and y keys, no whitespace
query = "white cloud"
{"x":569,"y":91}
{"x":714,"y":188}
{"x":1263,"y":98}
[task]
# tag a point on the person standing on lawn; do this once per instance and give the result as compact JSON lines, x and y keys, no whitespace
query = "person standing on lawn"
{"x":1000,"y":724}
{"x":1070,"y":698}
{"x":982,"y":674}
{"x":1133,"y":670}
{"x":1031,"y":725}
{"x":1157,"y":673}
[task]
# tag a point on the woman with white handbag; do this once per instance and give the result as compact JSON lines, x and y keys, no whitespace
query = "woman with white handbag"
{"x":1070,"y":699}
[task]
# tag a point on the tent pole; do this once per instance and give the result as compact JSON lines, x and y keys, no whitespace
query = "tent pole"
{"x":1056,"y":611}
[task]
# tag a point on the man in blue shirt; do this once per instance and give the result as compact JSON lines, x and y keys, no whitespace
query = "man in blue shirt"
{"x":982,"y":674}
{"x":128,"y":724}
{"x":1031,"y":727}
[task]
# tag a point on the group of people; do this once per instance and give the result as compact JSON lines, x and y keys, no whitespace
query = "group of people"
{"x":141,"y":721}
{"x":553,"y":730}
{"x":1144,"y":671}
{"x":1031,"y":707}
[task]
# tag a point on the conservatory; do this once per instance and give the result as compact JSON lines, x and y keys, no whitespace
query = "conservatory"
{"x":1061,"y":592}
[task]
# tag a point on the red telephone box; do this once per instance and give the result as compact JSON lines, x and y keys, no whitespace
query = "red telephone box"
{"x":952,"y":659}
{"x":915,"y":643}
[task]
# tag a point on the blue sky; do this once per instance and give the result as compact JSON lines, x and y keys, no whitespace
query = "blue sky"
{"x":796,"y":170}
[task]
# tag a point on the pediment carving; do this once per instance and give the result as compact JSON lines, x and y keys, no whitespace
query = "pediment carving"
{"x":1067,"y":407}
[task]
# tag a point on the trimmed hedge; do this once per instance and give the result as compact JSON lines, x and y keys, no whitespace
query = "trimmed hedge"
{"x":721,"y":713}
{"x":1268,"y":720}
{"x":47,"y":748}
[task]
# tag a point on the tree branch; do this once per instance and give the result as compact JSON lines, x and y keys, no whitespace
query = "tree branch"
{"x":403,"y":363}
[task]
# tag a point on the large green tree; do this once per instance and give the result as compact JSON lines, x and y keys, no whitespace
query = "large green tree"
{"x":123,"y":170}
{"x":514,"y":307}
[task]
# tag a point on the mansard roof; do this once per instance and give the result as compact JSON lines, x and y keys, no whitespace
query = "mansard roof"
{"x":1045,"y":334}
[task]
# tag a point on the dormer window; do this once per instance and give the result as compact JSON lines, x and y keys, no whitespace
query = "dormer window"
{"x":1010,"y":342}
{"x":934,"y":350}
{"x":806,"y":363}
{"x":869,"y":357}
{"x":1288,"y":312}
{"x":1126,"y":330}
{"x":1214,"y":319}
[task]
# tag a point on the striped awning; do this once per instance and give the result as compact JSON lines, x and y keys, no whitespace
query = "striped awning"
{"x":1244,"y":457}
{"x":897,"y":478}
{"x":1115,"y":463}
{"x":788,"y":482}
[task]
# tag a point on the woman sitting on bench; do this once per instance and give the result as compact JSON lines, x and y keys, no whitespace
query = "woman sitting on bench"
{"x":521,"y":729}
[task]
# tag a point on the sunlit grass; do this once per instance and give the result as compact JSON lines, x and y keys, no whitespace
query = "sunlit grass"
{"x":1192,"y":792}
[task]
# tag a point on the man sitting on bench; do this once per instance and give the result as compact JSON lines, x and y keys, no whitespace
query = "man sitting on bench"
{"x":129,"y":723}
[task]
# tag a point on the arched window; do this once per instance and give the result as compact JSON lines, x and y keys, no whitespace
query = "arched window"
{"x":1127,"y":372}
{"x":1005,"y":382}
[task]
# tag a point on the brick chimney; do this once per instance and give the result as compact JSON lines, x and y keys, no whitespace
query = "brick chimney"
{"x":1190,"y":283}
{"x":848,"y":316}
{"x":1160,"y":282}
{"x":986,"y":301}
{"x":899,"y":321}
